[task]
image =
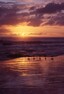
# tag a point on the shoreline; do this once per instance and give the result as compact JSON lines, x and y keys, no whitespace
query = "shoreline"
{"x":13,"y":56}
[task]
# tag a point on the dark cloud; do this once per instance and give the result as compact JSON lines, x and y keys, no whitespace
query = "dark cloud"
{"x":9,"y":15}
{"x":32,"y":8}
{"x":34,"y":22}
{"x":13,"y":13}
{"x":56,"y":20}
{"x":50,"y":8}
{"x":6,"y":13}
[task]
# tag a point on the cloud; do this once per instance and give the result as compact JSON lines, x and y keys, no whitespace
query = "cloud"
{"x":4,"y":32}
{"x":35,"y":21}
{"x":56,"y":20}
{"x":9,"y":15}
{"x":50,"y":8}
{"x":15,"y":13}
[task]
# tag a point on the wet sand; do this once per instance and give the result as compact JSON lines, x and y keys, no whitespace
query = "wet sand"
{"x":32,"y":75}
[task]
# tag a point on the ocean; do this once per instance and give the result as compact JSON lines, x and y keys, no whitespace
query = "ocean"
{"x":32,"y":67}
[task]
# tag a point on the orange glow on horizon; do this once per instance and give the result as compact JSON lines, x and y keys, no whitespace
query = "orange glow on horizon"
{"x":23,"y":30}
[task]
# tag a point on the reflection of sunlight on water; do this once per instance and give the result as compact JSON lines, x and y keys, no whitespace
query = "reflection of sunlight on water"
{"x":32,"y":71}
{"x":27,"y":66}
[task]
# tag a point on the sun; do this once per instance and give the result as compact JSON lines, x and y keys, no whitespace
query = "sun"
{"x":24,"y":34}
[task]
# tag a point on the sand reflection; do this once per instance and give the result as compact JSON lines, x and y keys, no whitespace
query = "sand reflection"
{"x":30,"y":71}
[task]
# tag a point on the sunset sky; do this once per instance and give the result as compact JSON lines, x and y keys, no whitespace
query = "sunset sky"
{"x":32,"y":18}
